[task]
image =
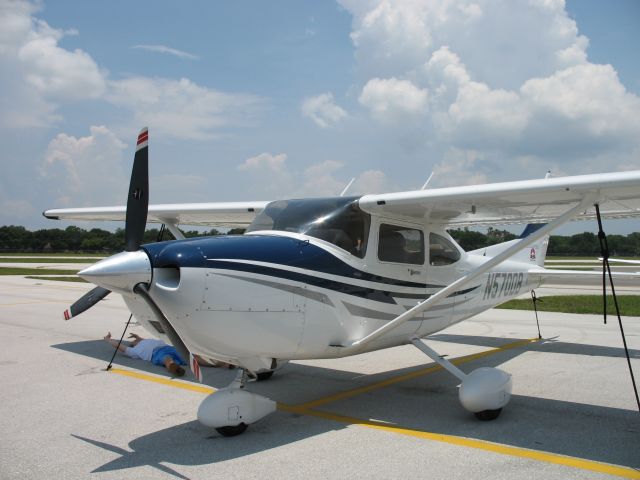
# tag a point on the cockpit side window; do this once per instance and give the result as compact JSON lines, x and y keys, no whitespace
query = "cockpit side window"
{"x":442,"y":251}
{"x":399,"y":244}
{"x":335,"y":220}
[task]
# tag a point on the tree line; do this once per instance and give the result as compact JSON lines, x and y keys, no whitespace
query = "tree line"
{"x":75,"y":239}
{"x":584,"y":244}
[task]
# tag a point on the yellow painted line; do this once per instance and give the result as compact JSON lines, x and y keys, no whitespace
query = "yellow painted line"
{"x":194,"y":387}
{"x":537,"y":455}
{"x":408,"y":376}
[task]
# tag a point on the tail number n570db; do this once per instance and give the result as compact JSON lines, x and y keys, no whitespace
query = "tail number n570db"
{"x":503,"y":284}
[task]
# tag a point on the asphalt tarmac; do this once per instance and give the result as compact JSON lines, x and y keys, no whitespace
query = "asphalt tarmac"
{"x":387,"y":414}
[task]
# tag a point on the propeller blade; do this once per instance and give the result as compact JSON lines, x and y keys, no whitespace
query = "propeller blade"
{"x":85,"y":302}
{"x":195,"y":367}
{"x":143,"y":290}
{"x":138,"y":200}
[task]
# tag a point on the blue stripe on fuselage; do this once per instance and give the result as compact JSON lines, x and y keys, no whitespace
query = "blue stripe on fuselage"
{"x":286,"y":251}
{"x":346,"y":288}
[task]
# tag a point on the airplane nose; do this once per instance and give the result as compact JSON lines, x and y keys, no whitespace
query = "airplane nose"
{"x":120,"y":272}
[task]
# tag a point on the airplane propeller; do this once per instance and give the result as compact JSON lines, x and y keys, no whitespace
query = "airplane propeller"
{"x":136,"y":219}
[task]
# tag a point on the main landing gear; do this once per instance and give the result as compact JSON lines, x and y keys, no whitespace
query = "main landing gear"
{"x":232,"y":409}
{"x":483,"y":392}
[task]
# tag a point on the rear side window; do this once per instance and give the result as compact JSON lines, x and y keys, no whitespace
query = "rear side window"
{"x":400,"y":244}
{"x":442,"y":251}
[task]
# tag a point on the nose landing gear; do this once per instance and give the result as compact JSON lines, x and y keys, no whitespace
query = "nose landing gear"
{"x":232,"y":409}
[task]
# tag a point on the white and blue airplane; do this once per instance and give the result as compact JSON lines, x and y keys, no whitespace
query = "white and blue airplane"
{"x":332,"y":277}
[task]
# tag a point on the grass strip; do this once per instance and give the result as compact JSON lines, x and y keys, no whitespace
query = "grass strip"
{"x":47,"y":260}
{"x":570,"y":267}
{"x":35,"y":271}
{"x":595,"y":259}
{"x":58,"y":279}
{"x":588,"y":304}
{"x":54,"y":255}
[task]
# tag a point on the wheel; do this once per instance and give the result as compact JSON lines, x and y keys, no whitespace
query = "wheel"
{"x":265,"y":375}
{"x":487,"y":415}
{"x":232,"y":430}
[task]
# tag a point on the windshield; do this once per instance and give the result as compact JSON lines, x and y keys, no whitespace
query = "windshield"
{"x":335,"y":220}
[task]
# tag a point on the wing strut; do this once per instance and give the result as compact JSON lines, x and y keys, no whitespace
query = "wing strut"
{"x":173,"y":228}
{"x":468,"y":278}
{"x":606,"y":269}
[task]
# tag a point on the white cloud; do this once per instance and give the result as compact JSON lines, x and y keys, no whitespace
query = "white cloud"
{"x":390,"y":99}
{"x":322,"y":110}
{"x":167,"y":50}
{"x":37,"y":72}
{"x":39,"y":76}
{"x":389,"y":35}
{"x":275,"y":163}
{"x":319,"y":180}
{"x":583,"y":108}
{"x":459,"y":167}
{"x":181,"y":108}
{"x":86,"y":170}
{"x":371,"y":181}
{"x":275,"y":179}
{"x":56,"y":72}
{"x":270,"y":174}
{"x":589,"y":94}
{"x":503,"y":42}
{"x":486,"y":86}
{"x":481,"y":115}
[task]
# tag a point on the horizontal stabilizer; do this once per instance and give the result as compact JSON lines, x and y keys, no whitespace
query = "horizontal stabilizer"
{"x":581,"y":277}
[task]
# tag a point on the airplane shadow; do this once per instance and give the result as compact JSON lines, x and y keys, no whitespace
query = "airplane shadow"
{"x":100,"y":350}
{"x":192,"y":444}
{"x":430,"y":403}
{"x":547,"y":345}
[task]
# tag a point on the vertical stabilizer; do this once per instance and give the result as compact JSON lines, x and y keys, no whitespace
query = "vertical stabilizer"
{"x":534,"y":254}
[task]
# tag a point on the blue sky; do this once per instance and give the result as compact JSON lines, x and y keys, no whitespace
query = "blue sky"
{"x":263,"y":100}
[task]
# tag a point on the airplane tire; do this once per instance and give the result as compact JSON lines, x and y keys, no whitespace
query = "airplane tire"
{"x":487,"y":415}
{"x":265,"y":375}
{"x":232,"y":430}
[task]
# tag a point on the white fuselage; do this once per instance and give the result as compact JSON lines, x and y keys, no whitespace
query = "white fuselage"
{"x":300,"y":305}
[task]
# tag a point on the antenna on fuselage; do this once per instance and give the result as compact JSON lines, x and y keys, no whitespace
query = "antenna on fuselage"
{"x":424,"y":187}
{"x":347,"y":187}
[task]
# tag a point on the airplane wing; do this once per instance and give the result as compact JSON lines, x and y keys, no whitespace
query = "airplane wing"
{"x":224,"y":214}
{"x":530,"y":201}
